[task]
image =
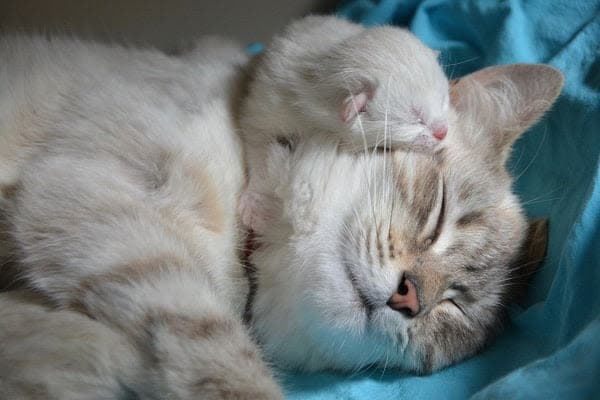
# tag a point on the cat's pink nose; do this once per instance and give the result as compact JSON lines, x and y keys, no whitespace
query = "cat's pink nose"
{"x":440,"y":132}
{"x":405,"y":299}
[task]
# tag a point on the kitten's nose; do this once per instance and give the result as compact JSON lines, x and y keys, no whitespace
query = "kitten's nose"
{"x":405,"y":299}
{"x":440,"y":132}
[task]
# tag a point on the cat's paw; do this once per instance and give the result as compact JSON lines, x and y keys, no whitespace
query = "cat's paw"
{"x":253,"y":211}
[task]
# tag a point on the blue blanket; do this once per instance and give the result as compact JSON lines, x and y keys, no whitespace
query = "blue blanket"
{"x":552,"y":347}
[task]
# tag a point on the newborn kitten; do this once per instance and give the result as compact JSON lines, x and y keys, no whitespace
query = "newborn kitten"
{"x":376,"y":87}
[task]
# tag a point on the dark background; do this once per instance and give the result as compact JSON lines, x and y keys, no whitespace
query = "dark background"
{"x":160,"y":23}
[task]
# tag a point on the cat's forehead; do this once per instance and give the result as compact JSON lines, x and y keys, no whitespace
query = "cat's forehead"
{"x":423,"y":181}
{"x":462,"y":173}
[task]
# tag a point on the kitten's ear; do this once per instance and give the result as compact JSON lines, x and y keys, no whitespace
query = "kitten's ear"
{"x":356,"y":102}
{"x":506,"y":100}
{"x":530,"y":257}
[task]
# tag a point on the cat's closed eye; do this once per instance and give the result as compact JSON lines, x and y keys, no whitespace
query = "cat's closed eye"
{"x":469,"y":219}
{"x":439,"y":222}
{"x":453,"y":303}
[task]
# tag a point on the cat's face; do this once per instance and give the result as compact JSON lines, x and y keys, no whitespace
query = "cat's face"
{"x":397,"y":259}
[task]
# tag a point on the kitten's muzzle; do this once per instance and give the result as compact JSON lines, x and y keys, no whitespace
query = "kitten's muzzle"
{"x":405,"y":300}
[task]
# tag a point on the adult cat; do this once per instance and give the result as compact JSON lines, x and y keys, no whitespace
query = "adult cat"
{"x":121,"y":171}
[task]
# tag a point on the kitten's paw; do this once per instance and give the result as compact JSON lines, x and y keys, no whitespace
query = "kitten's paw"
{"x":253,"y":211}
{"x":300,"y":211}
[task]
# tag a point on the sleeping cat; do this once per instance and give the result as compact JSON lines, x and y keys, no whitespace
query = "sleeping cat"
{"x":366,"y":87}
{"x":121,"y":173}
{"x":398,"y":259}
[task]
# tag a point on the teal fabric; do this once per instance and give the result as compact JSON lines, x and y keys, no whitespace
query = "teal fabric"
{"x":551,"y":349}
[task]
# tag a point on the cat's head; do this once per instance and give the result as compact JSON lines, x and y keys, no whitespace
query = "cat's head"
{"x":398,"y":259}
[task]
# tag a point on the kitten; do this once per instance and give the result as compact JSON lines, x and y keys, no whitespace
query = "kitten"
{"x":376,"y":87}
{"x":122,"y":173}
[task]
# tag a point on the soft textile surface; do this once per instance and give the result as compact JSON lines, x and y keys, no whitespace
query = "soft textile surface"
{"x":552,"y":347}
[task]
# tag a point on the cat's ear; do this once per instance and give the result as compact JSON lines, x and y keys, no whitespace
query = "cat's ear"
{"x":506,"y":100}
{"x":356,"y":102}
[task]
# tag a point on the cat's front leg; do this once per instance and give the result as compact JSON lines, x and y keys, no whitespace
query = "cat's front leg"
{"x":210,"y":357}
{"x":194,"y":345}
{"x":53,"y":354}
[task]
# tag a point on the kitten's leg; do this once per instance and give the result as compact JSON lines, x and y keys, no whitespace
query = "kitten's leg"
{"x":253,"y":212}
{"x":257,"y":206}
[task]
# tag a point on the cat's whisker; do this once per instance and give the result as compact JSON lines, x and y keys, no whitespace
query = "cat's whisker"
{"x":366,"y":150}
{"x":385,"y":364}
{"x":461,"y":62}
{"x":535,"y":155}
{"x":385,"y":140}
{"x":540,"y":200}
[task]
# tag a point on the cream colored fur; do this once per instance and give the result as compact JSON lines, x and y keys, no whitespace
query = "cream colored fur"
{"x":120,"y":180}
{"x":121,"y":171}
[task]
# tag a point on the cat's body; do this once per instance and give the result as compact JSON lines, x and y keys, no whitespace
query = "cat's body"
{"x":121,"y":172}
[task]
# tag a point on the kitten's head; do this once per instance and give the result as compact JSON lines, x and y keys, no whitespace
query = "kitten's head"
{"x":385,"y":80}
{"x":398,"y":259}
{"x":353,"y":82}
